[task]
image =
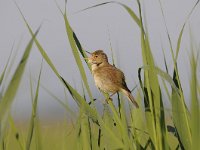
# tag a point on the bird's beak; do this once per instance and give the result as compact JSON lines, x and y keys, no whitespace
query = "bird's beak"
{"x":88,"y":52}
{"x":88,"y":58}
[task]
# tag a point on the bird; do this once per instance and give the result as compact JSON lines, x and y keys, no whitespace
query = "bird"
{"x":107,"y":77}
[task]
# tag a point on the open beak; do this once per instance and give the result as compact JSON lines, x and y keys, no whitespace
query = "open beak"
{"x":88,"y":52}
{"x":88,"y":58}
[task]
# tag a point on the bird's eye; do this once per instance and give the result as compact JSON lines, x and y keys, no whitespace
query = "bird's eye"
{"x":96,"y":56}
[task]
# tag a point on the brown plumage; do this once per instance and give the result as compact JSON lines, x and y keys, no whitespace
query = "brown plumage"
{"x":108,"y":78}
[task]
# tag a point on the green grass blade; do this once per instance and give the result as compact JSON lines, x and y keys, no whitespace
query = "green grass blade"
{"x":163,"y":75}
{"x":167,"y":31}
{"x":77,"y":97}
{"x":13,"y":60}
{"x":138,"y":125}
{"x":165,"y":61}
{"x":75,"y":52}
{"x":85,"y":132}
{"x":154,"y":112}
{"x":121,"y":127}
{"x":182,"y":29}
{"x":128,"y":9}
{"x":161,"y":109}
{"x":38,"y":134}
{"x":83,"y":53}
{"x":147,"y":60}
{"x":179,"y":39}
{"x":11,"y":91}
{"x":110,"y":123}
{"x":180,"y":116}
{"x":5,"y":68}
{"x":33,"y":121}
{"x":18,"y":136}
{"x":110,"y":135}
{"x":195,"y":106}
{"x":132,"y":14}
{"x":179,"y":42}
{"x":78,"y":143}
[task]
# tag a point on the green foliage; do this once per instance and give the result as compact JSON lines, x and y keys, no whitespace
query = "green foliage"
{"x":9,"y":95}
{"x":117,"y":127}
{"x":195,"y":109}
{"x":33,"y":126}
{"x":75,"y":52}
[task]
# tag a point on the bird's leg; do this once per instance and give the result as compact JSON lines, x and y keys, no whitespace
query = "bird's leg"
{"x":112,"y":94}
{"x":91,"y":101}
{"x":108,"y":97}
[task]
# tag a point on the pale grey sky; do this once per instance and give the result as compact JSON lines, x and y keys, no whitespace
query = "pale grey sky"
{"x":93,"y":28}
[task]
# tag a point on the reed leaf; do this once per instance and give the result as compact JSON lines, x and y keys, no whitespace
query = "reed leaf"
{"x":85,"y":132}
{"x":34,"y":118}
{"x":77,"y":97}
{"x":103,"y":140}
{"x":18,"y":135}
{"x":195,"y":107}
{"x":13,"y":86}
{"x":128,"y":9}
{"x":180,"y":116}
{"x":138,"y":125}
{"x":83,"y":53}
{"x":76,"y":55}
{"x":5,"y":68}
{"x":121,"y":127}
{"x":182,"y":29}
{"x":152,"y":94}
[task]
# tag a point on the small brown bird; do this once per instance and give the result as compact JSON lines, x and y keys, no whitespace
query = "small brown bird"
{"x":107,"y":77}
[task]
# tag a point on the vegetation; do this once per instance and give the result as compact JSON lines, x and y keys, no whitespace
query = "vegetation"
{"x":118,"y":127}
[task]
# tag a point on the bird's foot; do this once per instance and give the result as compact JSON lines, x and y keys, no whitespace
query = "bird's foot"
{"x":91,"y":101}
{"x":108,"y":99}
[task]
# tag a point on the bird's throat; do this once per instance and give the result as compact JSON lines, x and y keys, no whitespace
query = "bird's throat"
{"x":96,"y":66}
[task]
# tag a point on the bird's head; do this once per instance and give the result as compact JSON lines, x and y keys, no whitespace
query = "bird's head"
{"x":97,"y":57}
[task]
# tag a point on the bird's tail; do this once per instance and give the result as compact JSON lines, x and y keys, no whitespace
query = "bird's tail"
{"x":130,"y":97}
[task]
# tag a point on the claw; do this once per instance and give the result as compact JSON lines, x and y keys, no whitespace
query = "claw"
{"x":109,"y":99}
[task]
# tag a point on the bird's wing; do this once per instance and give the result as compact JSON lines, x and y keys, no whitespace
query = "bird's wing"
{"x":115,"y":75}
{"x":121,"y":79}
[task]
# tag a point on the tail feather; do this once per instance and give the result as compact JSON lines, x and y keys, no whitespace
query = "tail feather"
{"x":130,"y":97}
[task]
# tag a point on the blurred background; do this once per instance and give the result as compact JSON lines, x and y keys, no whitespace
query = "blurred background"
{"x":106,"y":27}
